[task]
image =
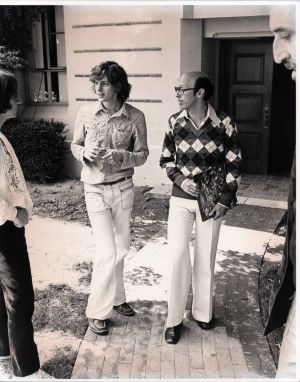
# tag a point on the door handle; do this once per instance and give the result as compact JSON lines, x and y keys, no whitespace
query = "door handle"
{"x":266,"y":117}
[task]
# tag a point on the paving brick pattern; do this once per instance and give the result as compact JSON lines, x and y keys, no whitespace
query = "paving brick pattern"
{"x":264,"y":187}
{"x":235,"y":348}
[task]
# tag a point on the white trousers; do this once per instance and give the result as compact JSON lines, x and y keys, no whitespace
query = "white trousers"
{"x":183,"y":214}
{"x":287,"y":356}
{"x":109,"y":208}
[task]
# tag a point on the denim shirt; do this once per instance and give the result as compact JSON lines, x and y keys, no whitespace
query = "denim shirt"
{"x":124,"y":132}
{"x":13,"y":189}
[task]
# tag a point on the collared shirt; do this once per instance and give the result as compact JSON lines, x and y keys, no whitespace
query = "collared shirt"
{"x":189,"y":150}
{"x":185,"y":114}
{"x":13,"y":189}
{"x":124,"y":132}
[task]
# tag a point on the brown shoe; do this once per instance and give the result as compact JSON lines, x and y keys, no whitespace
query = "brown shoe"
{"x":125,"y":309}
{"x":99,"y":327}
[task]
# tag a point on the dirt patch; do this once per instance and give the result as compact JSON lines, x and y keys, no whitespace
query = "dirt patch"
{"x":60,"y":308}
{"x":61,"y":364}
{"x":64,"y":200}
{"x":57,"y":352}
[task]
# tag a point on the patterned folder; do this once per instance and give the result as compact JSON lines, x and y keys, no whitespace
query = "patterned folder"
{"x":211,"y":185}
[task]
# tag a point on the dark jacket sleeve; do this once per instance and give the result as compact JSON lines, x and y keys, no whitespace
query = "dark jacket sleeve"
{"x":284,"y":285}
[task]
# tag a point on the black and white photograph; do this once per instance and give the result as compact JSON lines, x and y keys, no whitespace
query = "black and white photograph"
{"x":148,"y":190}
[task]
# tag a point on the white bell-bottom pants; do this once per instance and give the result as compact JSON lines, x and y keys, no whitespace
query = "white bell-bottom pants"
{"x":183,"y":214}
{"x":109,"y":208}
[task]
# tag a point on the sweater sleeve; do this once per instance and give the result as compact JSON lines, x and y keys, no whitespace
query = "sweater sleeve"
{"x":168,"y":157}
{"x":233,"y":162}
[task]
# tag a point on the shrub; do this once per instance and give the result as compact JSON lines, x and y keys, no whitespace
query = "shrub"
{"x":11,"y":59}
{"x":40,"y":146}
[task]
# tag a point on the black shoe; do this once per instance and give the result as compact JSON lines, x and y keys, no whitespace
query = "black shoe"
{"x":125,"y":309}
{"x":172,"y":334}
{"x":99,"y":327}
{"x":206,"y":325}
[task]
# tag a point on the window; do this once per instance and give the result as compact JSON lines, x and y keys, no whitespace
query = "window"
{"x":47,"y":77}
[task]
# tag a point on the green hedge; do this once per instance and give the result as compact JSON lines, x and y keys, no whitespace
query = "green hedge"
{"x":40,"y":146}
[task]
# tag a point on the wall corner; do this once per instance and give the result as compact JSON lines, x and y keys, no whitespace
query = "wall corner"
{"x":188,"y":12}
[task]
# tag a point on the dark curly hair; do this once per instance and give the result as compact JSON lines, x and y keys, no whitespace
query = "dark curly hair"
{"x":8,"y":89}
{"x":116,"y":76}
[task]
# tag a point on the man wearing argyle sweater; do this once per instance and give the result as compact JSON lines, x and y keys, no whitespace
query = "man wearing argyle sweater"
{"x":197,"y":139}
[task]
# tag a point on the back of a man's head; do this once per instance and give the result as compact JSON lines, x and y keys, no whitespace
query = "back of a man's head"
{"x":8,"y":89}
{"x":202,"y":81}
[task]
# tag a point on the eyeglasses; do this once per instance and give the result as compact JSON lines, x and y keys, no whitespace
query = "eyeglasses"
{"x":180,"y":91}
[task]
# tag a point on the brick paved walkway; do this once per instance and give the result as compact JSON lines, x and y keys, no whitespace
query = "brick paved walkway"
{"x":235,"y":348}
{"x":260,"y":190}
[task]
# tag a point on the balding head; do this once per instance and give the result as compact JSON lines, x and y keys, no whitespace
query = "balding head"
{"x":198,"y":80}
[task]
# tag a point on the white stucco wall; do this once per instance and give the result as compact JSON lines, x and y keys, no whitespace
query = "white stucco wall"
{"x":230,"y":10}
{"x":137,"y":33}
{"x":183,"y":37}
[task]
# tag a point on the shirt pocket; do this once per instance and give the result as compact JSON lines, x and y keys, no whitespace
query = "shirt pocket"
{"x":95,"y":132}
{"x":122,"y":135}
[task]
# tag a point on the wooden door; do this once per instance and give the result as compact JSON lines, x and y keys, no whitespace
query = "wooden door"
{"x":245,"y":92}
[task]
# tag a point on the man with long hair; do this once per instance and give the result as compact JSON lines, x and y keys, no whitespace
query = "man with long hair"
{"x":110,"y":139}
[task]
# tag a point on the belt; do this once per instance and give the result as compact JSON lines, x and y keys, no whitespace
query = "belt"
{"x":115,"y":181}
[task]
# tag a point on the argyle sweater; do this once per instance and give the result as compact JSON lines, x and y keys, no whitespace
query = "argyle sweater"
{"x":188,"y":151}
